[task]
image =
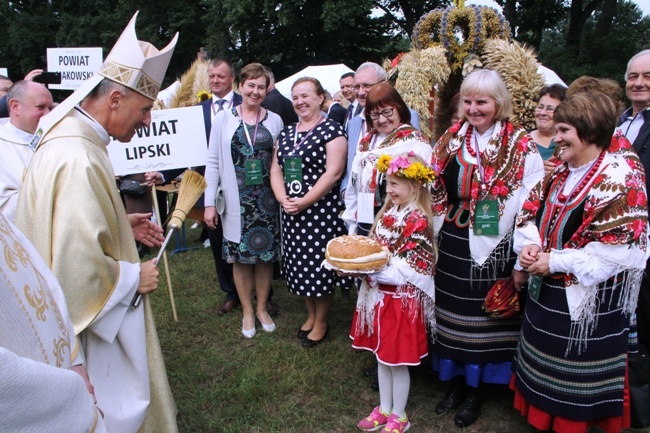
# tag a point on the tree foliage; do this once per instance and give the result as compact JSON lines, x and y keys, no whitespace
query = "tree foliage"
{"x":606,"y":43}
{"x":289,"y":35}
{"x":529,"y":18}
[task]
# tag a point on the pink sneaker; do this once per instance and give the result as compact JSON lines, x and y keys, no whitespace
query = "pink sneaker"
{"x":396,"y":424}
{"x":376,"y":420}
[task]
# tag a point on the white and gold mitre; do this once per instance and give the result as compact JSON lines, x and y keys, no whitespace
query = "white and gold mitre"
{"x":136,"y":64}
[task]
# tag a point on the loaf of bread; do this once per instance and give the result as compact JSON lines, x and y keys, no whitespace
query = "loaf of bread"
{"x":356,"y":254}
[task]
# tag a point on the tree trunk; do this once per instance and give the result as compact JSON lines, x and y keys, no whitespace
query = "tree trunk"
{"x":578,"y":16}
{"x":510,"y":13}
{"x":604,"y":24}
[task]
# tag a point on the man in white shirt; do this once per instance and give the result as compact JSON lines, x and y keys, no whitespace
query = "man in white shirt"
{"x":635,"y":124}
{"x":28,"y":102}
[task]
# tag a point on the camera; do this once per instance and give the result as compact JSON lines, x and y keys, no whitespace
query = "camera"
{"x":48,"y":78}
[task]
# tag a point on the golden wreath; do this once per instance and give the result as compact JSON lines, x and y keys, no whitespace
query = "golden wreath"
{"x":402,"y":167}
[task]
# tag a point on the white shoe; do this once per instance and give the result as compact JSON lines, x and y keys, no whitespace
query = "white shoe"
{"x":206,"y":243}
{"x":267,"y":328}
{"x":248,"y":333}
{"x":195,"y":226}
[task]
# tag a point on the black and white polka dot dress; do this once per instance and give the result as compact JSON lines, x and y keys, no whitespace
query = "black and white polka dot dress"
{"x":305,"y":236}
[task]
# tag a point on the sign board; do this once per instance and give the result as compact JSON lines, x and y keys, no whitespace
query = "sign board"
{"x":175,"y":139}
{"x":75,"y":64}
{"x":3,"y":71}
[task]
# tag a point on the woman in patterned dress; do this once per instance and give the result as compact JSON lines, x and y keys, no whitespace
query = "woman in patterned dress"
{"x":582,"y":236}
{"x":471,"y":347}
{"x":307,"y":168}
{"x":239,"y":154}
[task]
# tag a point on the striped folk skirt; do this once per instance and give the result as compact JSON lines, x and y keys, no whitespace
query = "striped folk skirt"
{"x":468,"y":342}
{"x":556,"y":379}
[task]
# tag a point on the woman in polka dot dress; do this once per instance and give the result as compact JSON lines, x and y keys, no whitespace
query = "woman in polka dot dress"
{"x":305,"y":176}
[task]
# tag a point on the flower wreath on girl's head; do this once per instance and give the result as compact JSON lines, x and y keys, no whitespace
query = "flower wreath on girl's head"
{"x":402,"y":167}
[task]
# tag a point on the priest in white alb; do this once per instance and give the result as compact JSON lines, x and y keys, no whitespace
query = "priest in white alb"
{"x":70,"y":208}
{"x":28,"y":101}
{"x":42,"y":386}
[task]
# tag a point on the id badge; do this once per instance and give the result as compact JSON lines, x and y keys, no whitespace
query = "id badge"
{"x":366,"y":207}
{"x":486,"y":218}
{"x":292,"y":170}
{"x":253,"y":172}
{"x":534,"y":286}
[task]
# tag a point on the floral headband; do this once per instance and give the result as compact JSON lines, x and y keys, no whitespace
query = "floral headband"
{"x":402,"y":167}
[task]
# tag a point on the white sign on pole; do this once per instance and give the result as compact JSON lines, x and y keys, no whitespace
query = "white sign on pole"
{"x":3,"y":71}
{"x":75,"y":64}
{"x":175,"y":139}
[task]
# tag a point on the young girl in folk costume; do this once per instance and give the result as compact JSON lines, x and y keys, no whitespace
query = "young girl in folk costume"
{"x":397,"y":304}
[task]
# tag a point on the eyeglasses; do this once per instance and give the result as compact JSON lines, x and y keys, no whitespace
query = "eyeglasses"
{"x":549,"y":108}
{"x":374,"y":115}
{"x":367,"y":86}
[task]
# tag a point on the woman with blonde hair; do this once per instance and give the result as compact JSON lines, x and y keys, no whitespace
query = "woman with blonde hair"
{"x":396,"y":305}
{"x":487,"y":166}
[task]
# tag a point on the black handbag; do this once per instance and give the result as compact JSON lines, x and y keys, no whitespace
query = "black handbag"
{"x":638,"y":372}
{"x":132,"y":187}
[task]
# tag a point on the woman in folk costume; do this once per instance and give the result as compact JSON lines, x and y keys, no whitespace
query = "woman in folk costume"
{"x":582,"y":234}
{"x":390,"y":133}
{"x":395,"y":306}
{"x":487,"y":167}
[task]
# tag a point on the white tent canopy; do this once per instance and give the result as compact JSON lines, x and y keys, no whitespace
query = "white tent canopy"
{"x":549,"y":76}
{"x":328,"y":75}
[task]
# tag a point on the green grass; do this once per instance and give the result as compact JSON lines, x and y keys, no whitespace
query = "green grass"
{"x":223,"y":382}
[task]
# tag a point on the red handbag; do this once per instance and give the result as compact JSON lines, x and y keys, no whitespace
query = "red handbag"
{"x":502,"y":300}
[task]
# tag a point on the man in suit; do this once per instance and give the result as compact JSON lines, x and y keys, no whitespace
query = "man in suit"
{"x":334,"y":110}
{"x":349,"y":92}
{"x":221,"y":76}
{"x":368,"y":75}
{"x":635,"y":124}
{"x":276,"y":102}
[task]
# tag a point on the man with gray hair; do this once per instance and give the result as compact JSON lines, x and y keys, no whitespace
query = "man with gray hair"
{"x":28,"y":102}
{"x":71,"y":210}
{"x":635,"y":124}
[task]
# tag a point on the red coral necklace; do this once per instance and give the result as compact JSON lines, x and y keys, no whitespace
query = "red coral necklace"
{"x":577,"y":189}
{"x":556,"y":210}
